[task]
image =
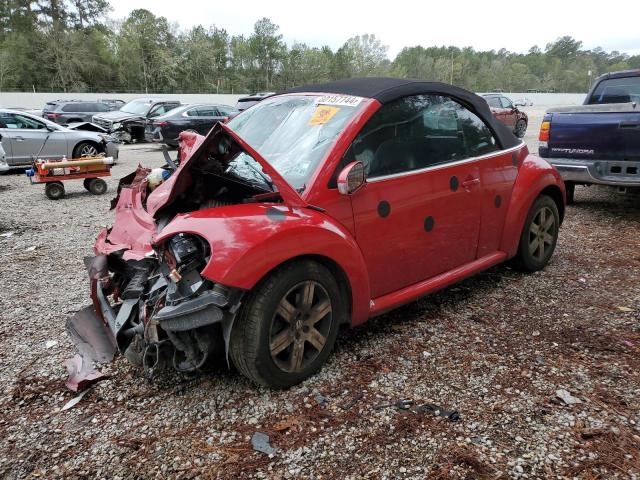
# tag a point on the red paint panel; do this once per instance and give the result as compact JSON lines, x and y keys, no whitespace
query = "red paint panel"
{"x":397,"y":248}
{"x":497,"y":175}
{"x":248,"y":241}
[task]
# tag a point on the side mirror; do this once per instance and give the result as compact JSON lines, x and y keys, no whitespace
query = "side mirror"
{"x":50,"y":128}
{"x":351,"y":178}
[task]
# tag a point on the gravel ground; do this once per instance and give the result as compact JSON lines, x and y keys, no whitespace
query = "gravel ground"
{"x":496,"y":348}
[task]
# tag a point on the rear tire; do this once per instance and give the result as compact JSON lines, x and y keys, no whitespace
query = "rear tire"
{"x":97,"y":186}
{"x":85,"y":183}
{"x":54,"y":190}
{"x":287,"y":327}
{"x":539,"y":235}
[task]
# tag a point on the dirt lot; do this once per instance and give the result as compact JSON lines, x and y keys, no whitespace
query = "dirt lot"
{"x":496,"y":348}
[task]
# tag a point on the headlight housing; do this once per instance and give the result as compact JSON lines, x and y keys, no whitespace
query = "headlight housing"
{"x":115,"y":126}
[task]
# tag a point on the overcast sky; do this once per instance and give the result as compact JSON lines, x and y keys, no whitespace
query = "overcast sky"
{"x":514,"y":25}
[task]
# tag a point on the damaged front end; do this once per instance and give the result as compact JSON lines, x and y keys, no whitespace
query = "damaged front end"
{"x":150,"y":301}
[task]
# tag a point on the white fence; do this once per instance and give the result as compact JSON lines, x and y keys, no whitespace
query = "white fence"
{"x":37,"y":100}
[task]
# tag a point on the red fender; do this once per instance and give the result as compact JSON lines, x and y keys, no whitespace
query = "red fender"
{"x":534,"y":175}
{"x":249,"y":240}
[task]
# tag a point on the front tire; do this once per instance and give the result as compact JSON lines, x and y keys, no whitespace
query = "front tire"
{"x":539,"y":235}
{"x":287,"y":327}
{"x":520,"y":128}
{"x":85,"y":149}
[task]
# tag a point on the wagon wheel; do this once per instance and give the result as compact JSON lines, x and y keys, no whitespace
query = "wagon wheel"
{"x":54,"y":190}
{"x":97,"y":186}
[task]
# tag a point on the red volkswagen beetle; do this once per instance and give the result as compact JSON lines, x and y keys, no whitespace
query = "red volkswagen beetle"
{"x":322,"y":206}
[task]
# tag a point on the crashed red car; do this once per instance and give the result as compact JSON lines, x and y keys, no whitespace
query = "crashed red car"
{"x":322,"y":206}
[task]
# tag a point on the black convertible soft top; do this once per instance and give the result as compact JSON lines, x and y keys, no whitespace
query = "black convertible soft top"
{"x":387,"y":90}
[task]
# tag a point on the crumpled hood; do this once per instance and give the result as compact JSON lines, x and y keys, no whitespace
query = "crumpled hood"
{"x":119,"y":116}
{"x":135,"y":226}
{"x":179,"y":181}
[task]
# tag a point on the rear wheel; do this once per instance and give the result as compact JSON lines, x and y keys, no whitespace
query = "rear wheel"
{"x":97,"y":186}
{"x":286,"y":330}
{"x":54,"y":190}
{"x":520,"y":128}
{"x":539,"y":235}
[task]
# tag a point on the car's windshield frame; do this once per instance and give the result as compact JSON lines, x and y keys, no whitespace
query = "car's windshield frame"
{"x":308,"y":102}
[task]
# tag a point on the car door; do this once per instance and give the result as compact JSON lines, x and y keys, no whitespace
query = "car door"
{"x":29,"y":138}
{"x":510,"y":112}
{"x":418,"y":214}
{"x":496,"y":108}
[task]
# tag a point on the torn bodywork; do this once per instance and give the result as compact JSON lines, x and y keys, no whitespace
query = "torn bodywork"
{"x":151,"y":300}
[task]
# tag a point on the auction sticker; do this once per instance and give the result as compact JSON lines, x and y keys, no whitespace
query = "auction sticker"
{"x":339,"y":100}
{"x":323,"y":114}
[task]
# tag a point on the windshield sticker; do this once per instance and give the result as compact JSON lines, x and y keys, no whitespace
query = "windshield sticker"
{"x":339,"y":100}
{"x":323,"y":114}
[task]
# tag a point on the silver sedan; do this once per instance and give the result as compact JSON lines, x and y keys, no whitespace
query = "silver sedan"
{"x":25,"y":137}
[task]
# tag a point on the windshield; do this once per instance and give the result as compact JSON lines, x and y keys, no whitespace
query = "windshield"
{"x":294,"y":133}
{"x":616,"y":90}
{"x":138,"y":107}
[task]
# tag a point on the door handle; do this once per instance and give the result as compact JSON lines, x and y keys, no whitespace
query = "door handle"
{"x":19,"y":139}
{"x":629,"y":125}
{"x":470,"y":183}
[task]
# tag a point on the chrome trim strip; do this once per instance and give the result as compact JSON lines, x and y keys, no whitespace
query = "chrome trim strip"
{"x":445,"y":165}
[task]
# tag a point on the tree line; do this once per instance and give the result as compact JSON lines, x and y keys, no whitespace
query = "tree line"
{"x":72,"y":46}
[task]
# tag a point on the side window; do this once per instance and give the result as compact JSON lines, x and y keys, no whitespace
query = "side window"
{"x":207,"y":112}
{"x":19,"y":121}
{"x":7,"y":121}
{"x":101,"y":107}
{"x":506,"y":103}
{"x":192,"y":112}
{"x":494,"y":102}
{"x":418,"y":132}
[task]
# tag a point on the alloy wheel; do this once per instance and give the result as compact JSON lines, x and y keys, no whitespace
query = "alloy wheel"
{"x":88,"y":151}
{"x":542,"y":233}
{"x":300,"y":326}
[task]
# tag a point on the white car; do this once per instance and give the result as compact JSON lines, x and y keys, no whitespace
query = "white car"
{"x":25,"y":136}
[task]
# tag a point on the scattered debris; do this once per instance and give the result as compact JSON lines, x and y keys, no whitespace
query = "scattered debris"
{"x":399,"y":404}
{"x":74,"y":401}
{"x":261,"y":443}
{"x":6,"y":234}
{"x":286,"y":424}
{"x":348,"y":405}
{"x":30,"y":249}
{"x":320,"y":399}
{"x":50,"y":343}
{"x":625,"y":309}
{"x":567,"y":398}
{"x":451,"y":415}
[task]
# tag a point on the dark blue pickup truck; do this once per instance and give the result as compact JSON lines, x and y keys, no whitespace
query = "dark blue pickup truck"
{"x":598,"y":142}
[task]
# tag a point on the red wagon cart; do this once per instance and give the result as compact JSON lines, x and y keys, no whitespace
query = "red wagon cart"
{"x":53,"y":173}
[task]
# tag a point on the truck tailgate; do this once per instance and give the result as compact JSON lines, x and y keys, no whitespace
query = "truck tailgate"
{"x":595,"y":135}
